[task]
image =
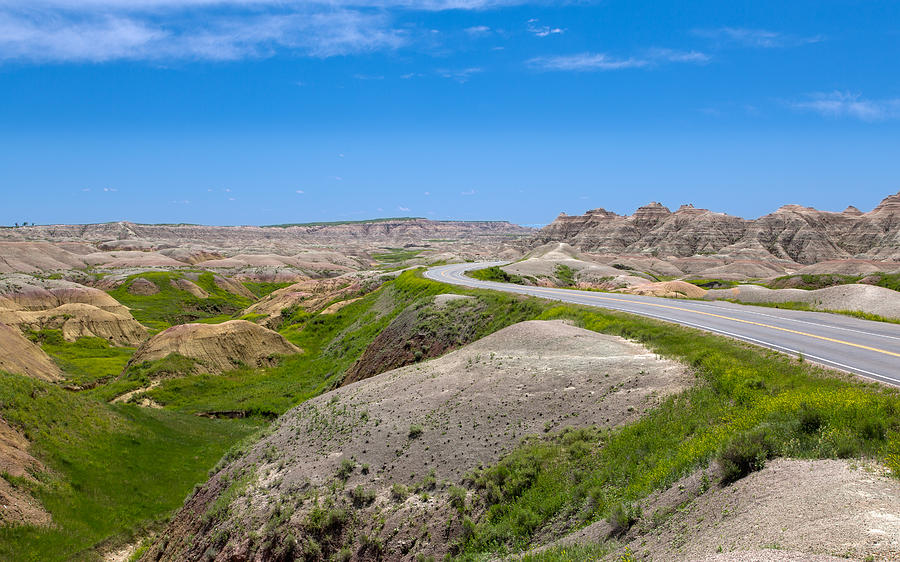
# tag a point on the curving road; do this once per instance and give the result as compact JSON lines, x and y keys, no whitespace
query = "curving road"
{"x":862,"y":347}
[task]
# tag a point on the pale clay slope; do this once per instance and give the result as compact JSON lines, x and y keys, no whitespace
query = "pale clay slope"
{"x":18,"y":506}
{"x":217,"y":347}
{"x":474,"y":405}
{"x":22,"y":357}
{"x":862,"y":298}
{"x":820,"y":510}
{"x":29,"y":303}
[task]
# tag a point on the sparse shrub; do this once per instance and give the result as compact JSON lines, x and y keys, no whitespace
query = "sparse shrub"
{"x":346,"y":469}
{"x":373,"y":545}
{"x":745,"y":453}
{"x":622,"y":517}
{"x":458,"y":498}
{"x":362,"y":496}
{"x":415,"y":431}
{"x":399,"y":492}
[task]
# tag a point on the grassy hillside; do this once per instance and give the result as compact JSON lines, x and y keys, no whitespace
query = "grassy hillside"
{"x":112,"y":470}
{"x":172,"y":305}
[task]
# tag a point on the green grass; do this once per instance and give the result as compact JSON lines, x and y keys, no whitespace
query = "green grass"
{"x":796,"y":305}
{"x":713,"y":283}
{"x":172,"y":306}
{"x":86,"y":361}
{"x":261,"y":289}
{"x":495,"y":273}
{"x":566,"y":275}
{"x":581,"y":476}
{"x":396,"y":255}
{"x":820,"y":281}
{"x":338,"y":223}
{"x":112,"y":472}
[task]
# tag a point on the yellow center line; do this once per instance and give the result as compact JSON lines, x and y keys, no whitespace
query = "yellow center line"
{"x":760,"y":324}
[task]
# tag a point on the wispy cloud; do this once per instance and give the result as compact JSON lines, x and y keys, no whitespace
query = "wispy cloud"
{"x":761,"y":38}
{"x":461,"y":75}
{"x":587,"y":62}
{"x":221,"y":30}
{"x":478,"y":30}
{"x":540,"y":30}
{"x":845,"y":104}
{"x":403,"y":209}
{"x":469,"y":192}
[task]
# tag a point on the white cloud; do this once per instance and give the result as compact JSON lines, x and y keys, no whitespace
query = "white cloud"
{"x":460,"y":75}
{"x":845,"y":104}
{"x":761,"y":38}
{"x":99,"y":31}
{"x":402,"y":208}
{"x":478,"y":30}
{"x":672,"y":55}
{"x":300,"y":192}
{"x":427,"y":193}
{"x":108,"y":189}
{"x":469,"y":192}
{"x":585,"y":62}
{"x":543,"y":30}
{"x":151,"y":30}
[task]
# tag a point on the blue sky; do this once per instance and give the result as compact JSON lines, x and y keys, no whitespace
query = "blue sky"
{"x":264,"y":111}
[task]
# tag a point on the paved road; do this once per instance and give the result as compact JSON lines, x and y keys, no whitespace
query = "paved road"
{"x":866,"y":348}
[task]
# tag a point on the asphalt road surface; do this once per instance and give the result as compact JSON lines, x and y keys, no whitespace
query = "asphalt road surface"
{"x":866,"y":348}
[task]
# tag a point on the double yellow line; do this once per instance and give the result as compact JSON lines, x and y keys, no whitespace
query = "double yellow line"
{"x":760,"y":324}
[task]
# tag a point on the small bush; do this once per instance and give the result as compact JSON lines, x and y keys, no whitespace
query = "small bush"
{"x":399,"y":492}
{"x":361,"y":496}
{"x":346,"y":469}
{"x":622,"y":517}
{"x":746,"y":453}
{"x":458,"y":498}
{"x":415,"y":431}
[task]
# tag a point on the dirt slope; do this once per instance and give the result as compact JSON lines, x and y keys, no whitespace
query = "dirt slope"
{"x":17,"y":506}
{"x":674,"y":289}
{"x":29,"y":303}
{"x":22,"y":357}
{"x":420,"y":332}
{"x":445,"y":417}
{"x":862,"y":298}
{"x":792,"y":510}
{"x":217,"y":347}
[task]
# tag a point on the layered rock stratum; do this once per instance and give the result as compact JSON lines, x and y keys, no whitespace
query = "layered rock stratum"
{"x":792,"y":233}
{"x":217,"y":348}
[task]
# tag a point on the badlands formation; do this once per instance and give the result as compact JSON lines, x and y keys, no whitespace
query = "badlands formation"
{"x":295,"y":392}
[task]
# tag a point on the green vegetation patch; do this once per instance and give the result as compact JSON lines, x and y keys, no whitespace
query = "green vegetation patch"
{"x":338,"y":223}
{"x":713,"y":283}
{"x":86,"y":361}
{"x":495,"y":273}
{"x":822,"y":280}
{"x":262,"y":289}
{"x":171,"y":305}
{"x":748,"y":405}
{"x":112,"y":470}
{"x":396,"y":255}
{"x":566,"y":275}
